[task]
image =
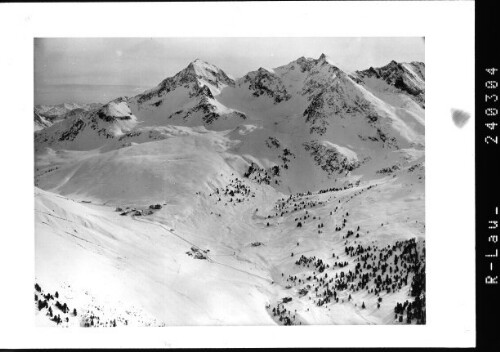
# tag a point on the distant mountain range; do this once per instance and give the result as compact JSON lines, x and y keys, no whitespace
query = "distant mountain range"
{"x":345,"y":120}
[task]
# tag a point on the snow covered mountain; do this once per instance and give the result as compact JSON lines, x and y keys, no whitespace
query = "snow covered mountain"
{"x":55,"y":113}
{"x":187,"y":98}
{"x":89,"y":129}
{"x":205,"y":177}
{"x":407,"y":78}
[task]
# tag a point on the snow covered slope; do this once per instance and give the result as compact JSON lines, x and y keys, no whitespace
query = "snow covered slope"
{"x":214,"y":200}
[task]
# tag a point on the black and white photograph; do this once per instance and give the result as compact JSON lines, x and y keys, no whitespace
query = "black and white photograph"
{"x":283,"y":189}
{"x":240,"y":174}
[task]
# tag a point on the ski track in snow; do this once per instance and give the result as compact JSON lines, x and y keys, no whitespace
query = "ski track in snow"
{"x":209,"y":257}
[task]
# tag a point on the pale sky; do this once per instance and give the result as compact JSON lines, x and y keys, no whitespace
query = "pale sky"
{"x":147,"y":61}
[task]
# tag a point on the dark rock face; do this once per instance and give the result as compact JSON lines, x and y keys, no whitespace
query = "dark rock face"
{"x":330,"y":100}
{"x":408,"y":78}
{"x":263,"y":82}
{"x":73,"y":131}
{"x":315,"y":115}
{"x":207,"y":109}
{"x":103,"y":116}
{"x":201,"y":91}
{"x":329,"y":159}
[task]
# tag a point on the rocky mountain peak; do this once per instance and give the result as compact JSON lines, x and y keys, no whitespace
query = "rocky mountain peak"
{"x":407,"y":77}
{"x":197,"y":74}
{"x":326,"y":60}
{"x":206,"y":73}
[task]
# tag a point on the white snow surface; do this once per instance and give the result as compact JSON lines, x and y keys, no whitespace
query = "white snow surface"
{"x":158,"y":148}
